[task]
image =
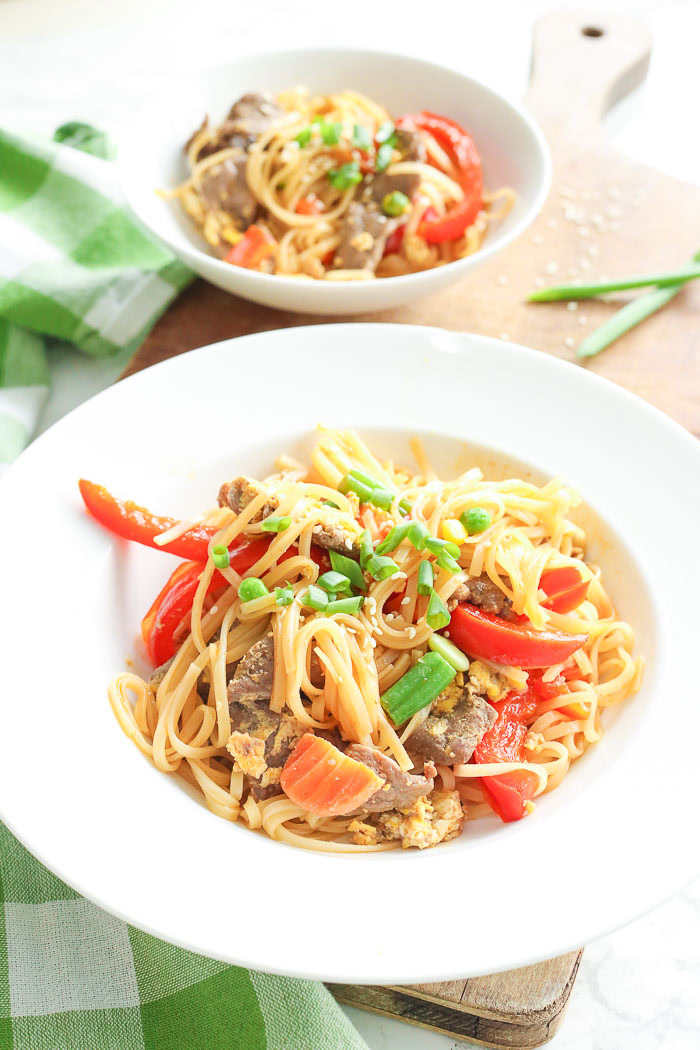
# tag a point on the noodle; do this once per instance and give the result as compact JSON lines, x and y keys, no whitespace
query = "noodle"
{"x":330,"y":671}
{"x":281,"y":175}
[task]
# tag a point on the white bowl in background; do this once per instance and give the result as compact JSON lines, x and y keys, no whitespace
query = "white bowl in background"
{"x":512,"y":148}
{"x":614,"y":839}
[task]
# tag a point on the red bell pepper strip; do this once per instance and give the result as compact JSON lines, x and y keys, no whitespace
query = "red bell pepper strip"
{"x":460,"y":145}
{"x":508,"y":793}
{"x":254,"y":246}
{"x":310,"y":205}
{"x":172,"y":605}
{"x":565,"y":588}
{"x":395,"y":240}
{"x":484,"y":635}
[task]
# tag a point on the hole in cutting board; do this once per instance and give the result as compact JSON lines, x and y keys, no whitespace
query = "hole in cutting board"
{"x":592,"y":31}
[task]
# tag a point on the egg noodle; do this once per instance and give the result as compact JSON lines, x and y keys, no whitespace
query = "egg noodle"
{"x":184,"y":729}
{"x":282,"y":175}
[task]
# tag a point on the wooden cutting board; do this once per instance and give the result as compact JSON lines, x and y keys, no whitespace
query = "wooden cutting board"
{"x":606,"y":215}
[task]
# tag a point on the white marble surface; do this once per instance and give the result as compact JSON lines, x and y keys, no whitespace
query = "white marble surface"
{"x":639,"y":988}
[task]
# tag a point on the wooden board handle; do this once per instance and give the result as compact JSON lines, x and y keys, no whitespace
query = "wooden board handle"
{"x":582,"y":63}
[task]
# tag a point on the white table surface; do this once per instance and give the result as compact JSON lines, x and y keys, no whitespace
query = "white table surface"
{"x":95,"y":60}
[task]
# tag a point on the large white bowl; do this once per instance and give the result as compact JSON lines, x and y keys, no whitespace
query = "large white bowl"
{"x":512,"y":148}
{"x":616,"y":837}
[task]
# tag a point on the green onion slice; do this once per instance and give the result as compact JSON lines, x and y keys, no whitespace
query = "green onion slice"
{"x":394,"y":538}
{"x":385,"y":132}
{"x":252,"y":588}
{"x":330,"y":133}
{"x":418,"y":533}
{"x":437,"y":614}
{"x":367,"y":493}
{"x":446,"y":561}
{"x":284,"y":595}
{"x":366,"y":548}
{"x":220,"y":556}
{"x":405,"y":506}
{"x":437,"y":546}
{"x":361,"y":137}
{"x":315,"y":598}
{"x":334,"y":581}
{"x":381,"y":568}
{"x":418,"y":687}
{"x":351,"y":606}
{"x":384,"y":157}
{"x":448,"y":651}
{"x":348,"y":567}
{"x":426,"y":578}
{"x":329,"y":503}
{"x":345,"y":176}
{"x":590,"y":291}
{"x":274,"y":523}
{"x":304,"y":137}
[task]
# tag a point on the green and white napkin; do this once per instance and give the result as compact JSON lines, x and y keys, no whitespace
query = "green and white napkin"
{"x":75,"y":266}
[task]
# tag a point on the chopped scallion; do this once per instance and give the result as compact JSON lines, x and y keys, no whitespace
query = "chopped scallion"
{"x":437,"y":615}
{"x":449,"y":651}
{"x":426,"y":578}
{"x":446,"y":561}
{"x":348,"y":567}
{"x":315,"y":598}
{"x":385,"y":132}
{"x":421,"y":684}
{"x":304,"y":137}
{"x":252,"y":588}
{"x":330,"y":133}
{"x":405,"y":506}
{"x":334,"y":581}
{"x":274,"y":523}
{"x":418,"y":533}
{"x":367,"y":493}
{"x":220,"y":556}
{"x":366,"y":548}
{"x":437,"y":546}
{"x":329,"y":503}
{"x":366,"y":479}
{"x":345,"y":176}
{"x":361,"y":137}
{"x":381,"y":568}
{"x":395,"y":537}
{"x":351,"y":606}
{"x":383,"y":158}
{"x":284,"y":595}
{"x":590,"y":291}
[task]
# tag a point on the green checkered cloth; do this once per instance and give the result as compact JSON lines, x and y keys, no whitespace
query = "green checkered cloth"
{"x":75,"y":266}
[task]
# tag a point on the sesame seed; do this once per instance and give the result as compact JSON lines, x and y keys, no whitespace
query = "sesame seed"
{"x":565,"y":191}
{"x":504,"y":335}
{"x":569,"y":341}
{"x":538,"y":239}
{"x":317,"y":528}
{"x":583,"y":319}
{"x":597,"y":219}
{"x":614,"y":226}
{"x":552,"y":223}
{"x":503,"y":279}
{"x":348,"y":543}
{"x":406,"y":601}
{"x":573,"y":305}
{"x":446,"y":634}
{"x":613,"y":212}
{"x":552,"y":267}
{"x":584,"y":231}
{"x":585,"y":264}
{"x":539,"y":282}
{"x":592,"y":250}
{"x":412,"y":632}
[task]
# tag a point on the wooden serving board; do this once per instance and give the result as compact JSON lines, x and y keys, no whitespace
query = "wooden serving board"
{"x":606,"y":215}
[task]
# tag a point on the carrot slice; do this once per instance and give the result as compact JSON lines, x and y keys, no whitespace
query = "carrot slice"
{"x":322,"y":780}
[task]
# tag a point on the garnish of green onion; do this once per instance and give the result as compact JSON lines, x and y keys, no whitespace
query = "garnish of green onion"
{"x":329,"y":503}
{"x":394,"y":538}
{"x":421,"y":684}
{"x":304,"y":137}
{"x":437,"y":615}
{"x":334,"y":581}
{"x":284,"y":595}
{"x":315,"y":598}
{"x":348,"y":567}
{"x":366,"y":548}
{"x":252,"y":588}
{"x":446,"y":561}
{"x":383,"y":158}
{"x":385,"y":132}
{"x":426,"y":578}
{"x":276,"y":524}
{"x":395,"y":203}
{"x":361,"y":137}
{"x":448,"y":651}
{"x":418,"y":533}
{"x":330,"y":133}
{"x":626,"y":318}
{"x":351,"y":606}
{"x":220,"y":556}
{"x":405,"y":506}
{"x":381,"y":568}
{"x":366,"y":479}
{"x":437,"y":546}
{"x":476,"y":519}
{"x":356,"y":481}
{"x":590,"y":291}
{"x":345,"y":176}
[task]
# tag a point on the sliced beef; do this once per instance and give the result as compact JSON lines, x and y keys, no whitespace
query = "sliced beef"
{"x":365,"y":228}
{"x":337,"y":531}
{"x":224,"y":188}
{"x":249,"y":693}
{"x":400,"y":790}
{"x":411,"y":145}
{"x":249,"y":117}
{"x":451,"y":737}
{"x":237,"y":494}
{"x":157,"y":676}
{"x":481,"y":591}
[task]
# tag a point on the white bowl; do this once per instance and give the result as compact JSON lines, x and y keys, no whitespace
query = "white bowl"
{"x":615,"y":838}
{"x":512,"y":148}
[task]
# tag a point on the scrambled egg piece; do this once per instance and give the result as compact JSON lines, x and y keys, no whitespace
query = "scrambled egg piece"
{"x":427,"y":822}
{"x":486,"y":682}
{"x":450,"y":697}
{"x":248,"y":754}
